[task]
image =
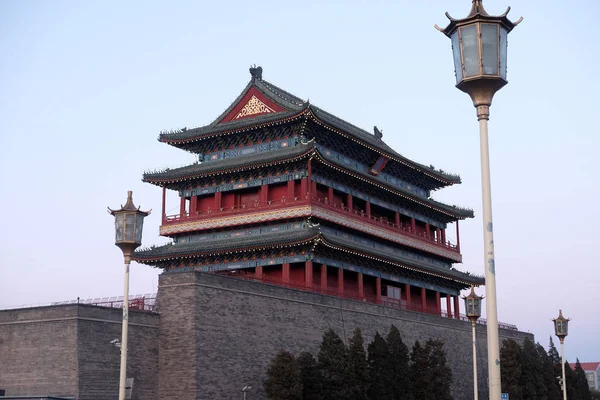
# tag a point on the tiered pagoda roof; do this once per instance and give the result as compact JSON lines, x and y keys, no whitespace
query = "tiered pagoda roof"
{"x":310,"y":237}
{"x":262,"y":104}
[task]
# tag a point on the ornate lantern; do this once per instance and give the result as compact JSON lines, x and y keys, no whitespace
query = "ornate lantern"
{"x":561,"y":326}
{"x":479,"y":46}
{"x":473,"y":305}
{"x":129,"y":223}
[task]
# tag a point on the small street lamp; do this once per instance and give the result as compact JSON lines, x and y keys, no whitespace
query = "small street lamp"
{"x":473,"y":308}
{"x":561,"y":329}
{"x":245,"y":389}
{"x":129,"y":222}
{"x":479,"y":46}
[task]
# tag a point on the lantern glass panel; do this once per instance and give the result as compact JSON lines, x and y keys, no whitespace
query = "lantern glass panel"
{"x":139,"y":224}
{"x":565,"y":327}
{"x":470,"y":307}
{"x":456,"y":54}
{"x":119,"y":227}
{"x":129,"y":225}
{"x":558,"y":327}
{"x":470,"y":50}
{"x":477,"y":306}
{"x":489,"y":43}
{"x":503,"y":51}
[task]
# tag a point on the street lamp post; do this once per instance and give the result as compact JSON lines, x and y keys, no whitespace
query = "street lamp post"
{"x":473,"y":309}
{"x":129,"y":222}
{"x":245,"y":389}
{"x":561,"y":329}
{"x":479,"y":46}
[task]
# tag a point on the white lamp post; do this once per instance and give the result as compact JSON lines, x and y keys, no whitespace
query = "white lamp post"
{"x":561,"y":329}
{"x":129,"y":222}
{"x":473,"y":309}
{"x":479,"y":45}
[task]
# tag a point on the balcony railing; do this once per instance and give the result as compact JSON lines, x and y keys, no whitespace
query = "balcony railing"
{"x":367,"y":297}
{"x":356,"y":214}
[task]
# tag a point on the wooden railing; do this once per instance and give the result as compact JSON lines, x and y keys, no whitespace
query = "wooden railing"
{"x":357,"y":214}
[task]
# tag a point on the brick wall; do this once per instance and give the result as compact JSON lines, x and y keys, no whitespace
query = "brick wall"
{"x":66,"y":350}
{"x":219,"y":333}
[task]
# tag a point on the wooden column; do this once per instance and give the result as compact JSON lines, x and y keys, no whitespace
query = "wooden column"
{"x":397,"y":219}
{"x":378,"y":290}
{"x":290,"y":193}
{"x":340,"y":281}
{"x":313,"y":189}
{"x":182,"y":206}
{"x":258,"y":272}
{"x":456,"y":307}
{"x":448,"y":306}
{"x":330,"y":194}
{"x":285,"y":273}
{"x":349,"y":201}
{"x":323,"y":277}
{"x":438,"y":235}
{"x":368,"y":208}
{"x":308,"y":188}
{"x":164,"y":204}
{"x":407,"y":290}
{"x":438,"y":303}
{"x":423,"y":299}
{"x":264,"y":193}
{"x":444,"y":236}
{"x":194,"y":205}
{"x":457,"y":237}
{"x":413,"y":226}
{"x":361,"y":288}
{"x":308,"y":274}
{"x":427,"y":231}
{"x":303,"y":187}
{"x":218,"y":196}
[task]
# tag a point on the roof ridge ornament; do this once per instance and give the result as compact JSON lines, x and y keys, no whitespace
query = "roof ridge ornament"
{"x":377,"y":133}
{"x":256,"y":72}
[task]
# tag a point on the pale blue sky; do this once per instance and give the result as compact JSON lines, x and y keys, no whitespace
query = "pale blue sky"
{"x":85,"y":88}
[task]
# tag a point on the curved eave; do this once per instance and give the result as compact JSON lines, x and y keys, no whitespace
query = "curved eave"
{"x":227,"y":247}
{"x":382,"y":149}
{"x":407,"y":195}
{"x":241,"y":164}
{"x":354,"y":250}
{"x":181,"y":139}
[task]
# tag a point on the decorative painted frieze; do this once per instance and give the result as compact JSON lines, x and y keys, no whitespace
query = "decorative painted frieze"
{"x":246,"y":150}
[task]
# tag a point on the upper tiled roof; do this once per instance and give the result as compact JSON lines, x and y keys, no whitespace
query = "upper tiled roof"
{"x":294,"y":107}
{"x":587,"y":366}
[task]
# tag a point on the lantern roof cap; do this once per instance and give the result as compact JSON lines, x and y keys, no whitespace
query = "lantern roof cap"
{"x":473,"y":295}
{"x":478,"y":13}
{"x":560,"y":317}
{"x":129,"y":206}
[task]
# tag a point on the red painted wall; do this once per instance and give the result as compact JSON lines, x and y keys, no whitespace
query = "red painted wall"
{"x":247,"y":197}
{"x":297,"y":274}
{"x":228,"y":199}
{"x":277,"y":191}
{"x":205,"y":202}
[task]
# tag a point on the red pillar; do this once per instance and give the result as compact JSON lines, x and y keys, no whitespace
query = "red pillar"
{"x":330,"y":194}
{"x":413,"y":226}
{"x":407,"y":289}
{"x":258,"y":272}
{"x":218,"y":196}
{"x":340,"y":281}
{"x":194,"y":205}
{"x":303,"y":187}
{"x":313,"y":189}
{"x":164,"y":204}
{"x":427,"y":231}
{"x":361,"y":288}
{"x":264,"y":193}
{"x":308,"y":274}
{"x":457,"y":237}
{"x":456,"y":308}
{"x":323,"y":277}
{"x":308,"y":187}
{"x":438,"y":235}
{"x":349,"y":201}
{"x":285,"y":273}
{"x":423,"y":300}
{"x":368,"y":208}
{"x":290,"y":193}
{"x":378,"y":290}
{"x":448,"y":306}
{"x":182,"y":206}
{"x":397,"y":219}
{"x":444,"y":236}
{"x":438,"y":304}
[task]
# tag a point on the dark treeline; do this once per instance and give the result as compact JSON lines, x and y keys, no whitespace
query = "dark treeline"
{"x":530,"y":373}
{"x":385,"y":370}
